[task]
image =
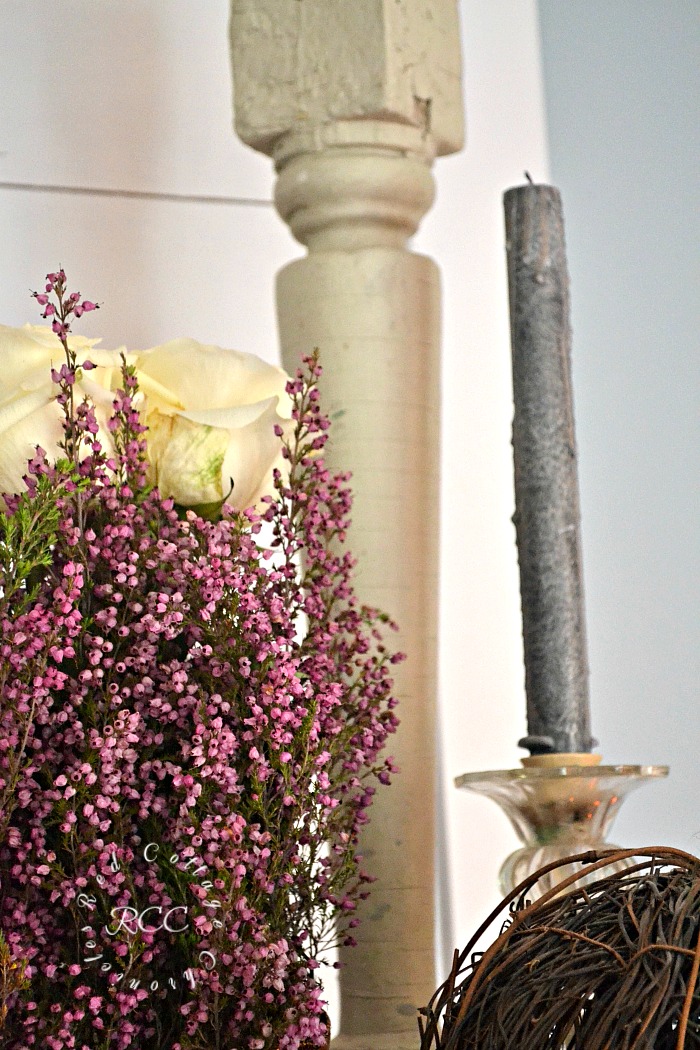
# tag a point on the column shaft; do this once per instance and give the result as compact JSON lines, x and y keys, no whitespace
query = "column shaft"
{"x":374,"y":314}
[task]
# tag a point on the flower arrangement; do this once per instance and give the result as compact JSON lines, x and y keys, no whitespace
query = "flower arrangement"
{"x":210,"y":412}
{"x":192,"y":720}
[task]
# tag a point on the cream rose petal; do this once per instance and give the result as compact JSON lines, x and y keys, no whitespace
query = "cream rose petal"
{"x":253,"y":451}
{"x":29,"y":354}
{"x":202,"y":377}
{"x":186,"y":459}
{"x":36,"y":348}
{"x":234,"y":418}
{"x":46,"y":336}
{"x":29,"y":414}
{"x":107,"y":374}
{"x":15,"y":409}
{"x":24,"y":355}
{"x":253,"y":448}
{"x":157,"y":395}
{"x":25,"y":423}
{"x":196,"y":455}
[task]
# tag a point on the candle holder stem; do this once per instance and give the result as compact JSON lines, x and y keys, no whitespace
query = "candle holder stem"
{"x":558,"y":810}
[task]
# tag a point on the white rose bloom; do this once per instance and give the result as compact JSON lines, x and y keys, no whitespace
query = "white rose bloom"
{"x":211,"y":414}
{"x":29,"y":415}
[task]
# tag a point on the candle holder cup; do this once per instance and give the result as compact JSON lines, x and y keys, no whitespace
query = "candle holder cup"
{"x":559,"y":805}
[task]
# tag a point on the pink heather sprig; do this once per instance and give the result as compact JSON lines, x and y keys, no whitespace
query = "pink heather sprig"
{"x":184,"y":746}
{"x":128,"y":433}
{"x":61,"y":305}
{"x":64,"y":305}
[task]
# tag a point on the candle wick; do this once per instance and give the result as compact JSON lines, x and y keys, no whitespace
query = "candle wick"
{"x":528,"y":176}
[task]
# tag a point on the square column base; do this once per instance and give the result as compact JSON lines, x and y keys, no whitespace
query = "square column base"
{"x":384,"y":1041}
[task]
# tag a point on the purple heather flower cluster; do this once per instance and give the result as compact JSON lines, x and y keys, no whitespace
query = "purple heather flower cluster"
{"x":67,"y":305}
{"x":192,"y":726}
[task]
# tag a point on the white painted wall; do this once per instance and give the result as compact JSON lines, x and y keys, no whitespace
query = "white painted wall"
{"x":136,"y":98}
{"x":481,"y":677}
{"x":623,"y":83}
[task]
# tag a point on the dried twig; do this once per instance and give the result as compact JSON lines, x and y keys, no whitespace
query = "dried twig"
{"x":614,"y":964}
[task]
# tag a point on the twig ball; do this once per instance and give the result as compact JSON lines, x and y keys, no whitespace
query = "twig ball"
{"x":611,"y":965}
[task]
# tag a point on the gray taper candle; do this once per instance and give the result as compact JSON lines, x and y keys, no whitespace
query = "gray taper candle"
{"x":546,"y":479}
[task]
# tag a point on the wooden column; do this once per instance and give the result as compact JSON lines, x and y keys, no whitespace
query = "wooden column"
{"x":353,"y":101}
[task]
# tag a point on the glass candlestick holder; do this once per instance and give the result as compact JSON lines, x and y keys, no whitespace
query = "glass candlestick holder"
{"x":559,"y":805}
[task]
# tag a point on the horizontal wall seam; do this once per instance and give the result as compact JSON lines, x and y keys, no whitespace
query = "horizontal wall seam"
{"x":150,"y":195}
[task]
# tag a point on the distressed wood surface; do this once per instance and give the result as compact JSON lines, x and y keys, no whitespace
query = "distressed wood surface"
{"x":353,"y":101}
